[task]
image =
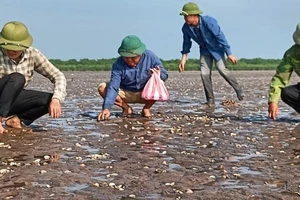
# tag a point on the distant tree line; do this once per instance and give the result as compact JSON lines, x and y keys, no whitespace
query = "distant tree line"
{"x":171,"y":65}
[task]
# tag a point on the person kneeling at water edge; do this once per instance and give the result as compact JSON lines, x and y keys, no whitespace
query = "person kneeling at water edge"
{"x":129,"y":76}
{"x":18,"y":61}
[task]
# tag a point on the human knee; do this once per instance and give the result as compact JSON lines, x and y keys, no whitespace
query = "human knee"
{"x":102,"y":89}
{"x":45,"y":99}
{"x":18,"y":79}
{"x":223,"y":71}
{"x":285,"y":94}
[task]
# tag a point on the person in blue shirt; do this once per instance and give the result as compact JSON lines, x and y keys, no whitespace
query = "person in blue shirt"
{"x":129,"y":76}
{"x":205,"y":31}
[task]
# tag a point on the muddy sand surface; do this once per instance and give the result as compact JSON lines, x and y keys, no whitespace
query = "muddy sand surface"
{"x":184,"y":152}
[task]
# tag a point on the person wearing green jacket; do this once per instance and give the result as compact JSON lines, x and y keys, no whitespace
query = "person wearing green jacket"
{"x":278,"y":87}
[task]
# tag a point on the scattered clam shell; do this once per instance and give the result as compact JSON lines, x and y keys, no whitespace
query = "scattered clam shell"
{"x":46,"y":157}
{"x":4,"y":171}
{"x":43,"y":171}
{"x":78,"y":145}
{"x":131,"y":196}
{"x":98,"y":156}
{"x":2,"y":145}
{"x":96,"y":185}
{"x":237,"y":175}
{"x":171,"y":184}
{"x":212,"y":177}
{"x":189,"y":191}
{"x":178,"y":191}
{"x":112,"y":185}
{"x":37,"y":161}
{"x":113,"y":174}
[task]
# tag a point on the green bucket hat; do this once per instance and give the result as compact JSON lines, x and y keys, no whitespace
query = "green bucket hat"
{"x":296,"y":35}
{"x":190,"y":9}
{"x":15,"y":36}
{"x":131,"y":46}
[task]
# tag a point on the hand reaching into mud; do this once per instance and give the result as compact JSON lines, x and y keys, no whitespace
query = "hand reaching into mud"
{"x":104,"y":115}
{"x":273,"y":110}
{"x":55,"y":108}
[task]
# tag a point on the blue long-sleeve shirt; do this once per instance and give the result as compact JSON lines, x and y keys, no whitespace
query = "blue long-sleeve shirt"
{"x":212,"y":35}
{"x":131,"y":79}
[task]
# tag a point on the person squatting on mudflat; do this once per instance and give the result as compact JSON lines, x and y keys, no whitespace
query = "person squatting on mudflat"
{"x":278,"y":87}
{"x":18,"y":61}
{"x":205,"y":31}
{"x":129,"y":76}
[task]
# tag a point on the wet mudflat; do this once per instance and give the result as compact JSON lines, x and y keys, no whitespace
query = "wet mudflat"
{"x":184,"y":152}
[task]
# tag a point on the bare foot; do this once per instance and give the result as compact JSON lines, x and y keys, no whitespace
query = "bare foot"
{"x":14,"y":122}
{"x":127,"y":111}
{"x":2,"y":130}
{"x":146,"y":113}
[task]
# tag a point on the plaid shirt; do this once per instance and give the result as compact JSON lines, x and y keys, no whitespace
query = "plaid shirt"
{"x":34,"y":60}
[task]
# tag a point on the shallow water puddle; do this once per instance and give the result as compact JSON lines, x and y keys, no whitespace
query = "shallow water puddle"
{"x":247,"y":170}
{"x":90,"y":149}
{"x":150,"y":196}
{"x":231,"y":184}
{"x":276,"y":184}
{"x":175,"y":167}
{"x":76,"y":187}
{"x":245,"y":157}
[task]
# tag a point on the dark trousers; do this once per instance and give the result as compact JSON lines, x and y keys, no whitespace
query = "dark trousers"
{"x":28,"y":105}
{"x":291,"y":96}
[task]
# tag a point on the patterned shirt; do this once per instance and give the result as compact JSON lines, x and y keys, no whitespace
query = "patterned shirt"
{"x":33,"y":60}
{"x":289,"y":63}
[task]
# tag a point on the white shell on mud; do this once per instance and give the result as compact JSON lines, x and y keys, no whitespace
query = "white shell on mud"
{"x":46,"y":157}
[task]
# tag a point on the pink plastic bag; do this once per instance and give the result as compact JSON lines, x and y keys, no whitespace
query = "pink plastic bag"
{"x":155,"y":89}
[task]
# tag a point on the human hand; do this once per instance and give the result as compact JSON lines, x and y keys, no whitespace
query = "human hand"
{"x":54,"y":108}
{"x":273,"y":110}
{"x":104,"y":115}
